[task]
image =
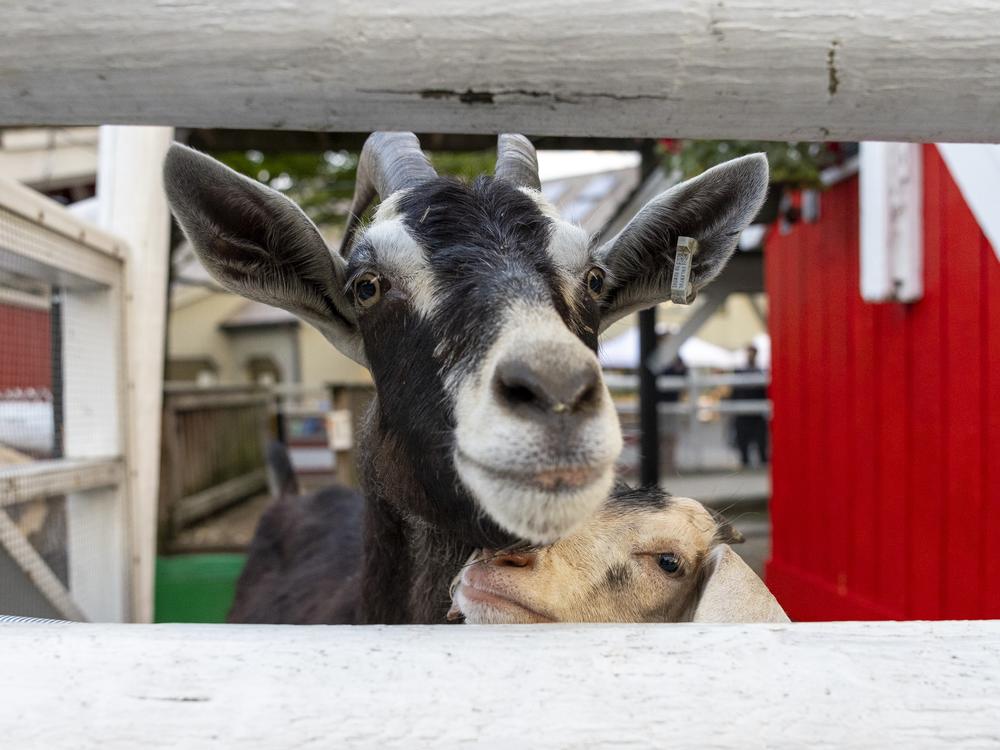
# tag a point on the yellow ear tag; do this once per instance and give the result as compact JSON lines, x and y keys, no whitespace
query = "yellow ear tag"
{"x":681,"y":292}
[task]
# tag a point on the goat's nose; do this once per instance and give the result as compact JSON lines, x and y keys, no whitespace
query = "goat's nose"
{"x":521,"y":386}
{"x":510,"y":559}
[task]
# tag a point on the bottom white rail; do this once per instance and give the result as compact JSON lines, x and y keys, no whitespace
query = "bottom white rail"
{"x":836,"y":685}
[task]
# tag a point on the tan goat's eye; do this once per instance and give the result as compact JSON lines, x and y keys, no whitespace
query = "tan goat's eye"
{"x":595,"y":282}
{"x":367,"y":289}
{"x":669,"y":562}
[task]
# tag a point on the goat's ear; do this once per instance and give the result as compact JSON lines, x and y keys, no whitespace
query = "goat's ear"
{"x":713,"y":208}
{"x":258,"y":244}
{"x":732,"y":592}
{"x":725,"y":532}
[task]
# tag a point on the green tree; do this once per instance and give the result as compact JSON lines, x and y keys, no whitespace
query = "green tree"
{"x":323,"y":183}
{"x":795,"y":163}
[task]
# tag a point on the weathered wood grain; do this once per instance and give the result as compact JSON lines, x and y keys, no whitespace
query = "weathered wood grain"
{"x":808,"y":70}
{"x":837,"y":685}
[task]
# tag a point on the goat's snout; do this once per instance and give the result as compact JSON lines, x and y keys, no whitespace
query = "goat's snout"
{"x":509,"y":559}
{"x":545,"y":391}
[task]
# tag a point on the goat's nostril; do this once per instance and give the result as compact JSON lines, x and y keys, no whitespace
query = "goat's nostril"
{"x":591,"y":396}
{"x":513,"y":560}
{"x":547,"y":390}
{"x":517,"y":384}
{"x":515,"y":394}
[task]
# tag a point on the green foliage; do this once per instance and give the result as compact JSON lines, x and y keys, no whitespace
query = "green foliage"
{"x":466,"y":165}
{"x":323,"y":183}
{"x":320,"y":182}
{"x":797,"y":164}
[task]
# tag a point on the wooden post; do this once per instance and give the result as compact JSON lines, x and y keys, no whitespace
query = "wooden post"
{"x":649,"y":417}
{"x":133,"y":206}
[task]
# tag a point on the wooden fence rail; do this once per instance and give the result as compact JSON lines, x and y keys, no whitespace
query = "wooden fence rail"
{"x":213,"y":450}
{"x":829,"y":685}
{"x":808,"y":70}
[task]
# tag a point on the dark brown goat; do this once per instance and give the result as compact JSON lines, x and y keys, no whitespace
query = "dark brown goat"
{"x":304,"y":563}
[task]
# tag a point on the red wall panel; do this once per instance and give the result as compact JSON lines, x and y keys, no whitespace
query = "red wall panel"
{"x":25,"y":348}
{"x":885,"y":501}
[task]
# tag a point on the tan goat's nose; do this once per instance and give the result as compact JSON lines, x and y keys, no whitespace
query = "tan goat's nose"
{"x":511,"y":559}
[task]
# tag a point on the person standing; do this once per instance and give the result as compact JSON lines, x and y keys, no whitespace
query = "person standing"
{"x":671,"y":423}
{"x":750,"y":429}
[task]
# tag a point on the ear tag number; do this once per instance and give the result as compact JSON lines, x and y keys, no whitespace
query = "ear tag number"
{"x":681,"y":292}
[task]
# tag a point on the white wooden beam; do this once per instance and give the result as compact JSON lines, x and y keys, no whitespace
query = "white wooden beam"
{"x":132,"y":205}
{"x":76,"y":254}
{"x":842,"y":685}
{"x":30,"y":481}
{"x":808,"y":70}
{"x":92,"y":429}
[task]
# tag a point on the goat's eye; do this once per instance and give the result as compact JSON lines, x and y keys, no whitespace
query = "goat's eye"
{"x":595,"y":282}
{"x":367,"y":289}
{"x":669,"y":562}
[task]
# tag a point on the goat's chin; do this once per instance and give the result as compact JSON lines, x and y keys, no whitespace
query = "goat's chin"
{"x":539,"y":508}
{"x":484,"y":608}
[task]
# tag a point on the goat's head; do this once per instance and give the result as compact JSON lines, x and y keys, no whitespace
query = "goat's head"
{"x":643,"y":557}
{"x":477,"y":310}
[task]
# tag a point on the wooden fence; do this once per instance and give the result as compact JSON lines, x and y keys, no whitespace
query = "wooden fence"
{"x":213,"y":450}
{"x":816,"y":69}
{"x":828,"y":685}
{"x":809,"y":70}
{"x":87,"y":568}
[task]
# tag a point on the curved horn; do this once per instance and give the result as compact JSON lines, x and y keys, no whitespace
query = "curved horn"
{"x":388,"y":162}
{"x":516,"y":161}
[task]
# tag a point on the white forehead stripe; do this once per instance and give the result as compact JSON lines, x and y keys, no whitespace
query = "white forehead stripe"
{"x":403,"y":261}
{"x":569,"y":245}
{"x":569,"y":248}
{"x":389,"y":208}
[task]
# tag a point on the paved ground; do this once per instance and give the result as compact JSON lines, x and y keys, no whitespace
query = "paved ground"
{"x":228,"y":531}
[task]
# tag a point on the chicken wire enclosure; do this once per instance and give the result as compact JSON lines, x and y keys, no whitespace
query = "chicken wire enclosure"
{"x":63,"y":515}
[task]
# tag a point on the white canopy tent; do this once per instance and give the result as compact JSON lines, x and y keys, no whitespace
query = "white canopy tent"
{"x":622,"y":353}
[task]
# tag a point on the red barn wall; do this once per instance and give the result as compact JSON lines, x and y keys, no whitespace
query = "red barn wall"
{"x":25,"y":348}
{"x":886,"y":493}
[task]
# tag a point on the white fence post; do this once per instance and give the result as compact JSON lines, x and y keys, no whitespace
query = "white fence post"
{"x":96,"y":520}
{"x":133,"y":206}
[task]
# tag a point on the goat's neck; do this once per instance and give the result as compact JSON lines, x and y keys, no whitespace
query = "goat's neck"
{"x":408,"y":564}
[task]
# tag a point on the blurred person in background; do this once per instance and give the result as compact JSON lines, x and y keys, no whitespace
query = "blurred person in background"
{"x":671,"y":423}
{"x":750,"y":429}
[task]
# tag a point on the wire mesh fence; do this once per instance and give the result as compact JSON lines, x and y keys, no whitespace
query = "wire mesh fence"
{"x":62,"y":500}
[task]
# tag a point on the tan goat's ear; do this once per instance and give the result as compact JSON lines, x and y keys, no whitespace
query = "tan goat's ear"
{"x":725,"y":532}
{"x":732,"y":592}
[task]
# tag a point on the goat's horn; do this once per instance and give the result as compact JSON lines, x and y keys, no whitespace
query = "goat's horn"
{"x":388,"y":162}
{"x":516,"y":161}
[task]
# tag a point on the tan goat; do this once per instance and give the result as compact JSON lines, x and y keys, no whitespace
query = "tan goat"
{"x":644,"y":557}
